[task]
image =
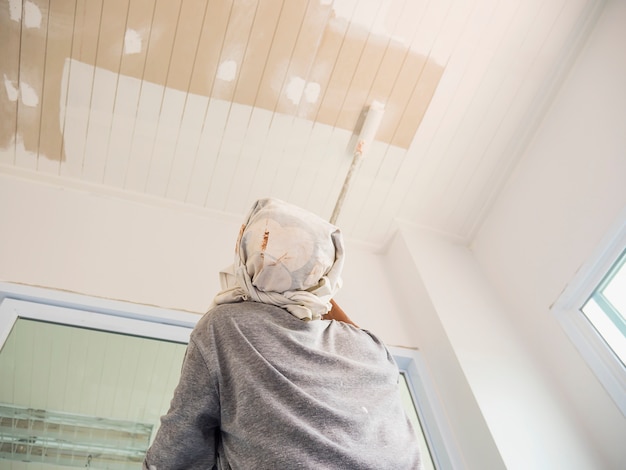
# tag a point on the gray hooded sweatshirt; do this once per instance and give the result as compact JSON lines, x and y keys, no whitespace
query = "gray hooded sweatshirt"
{"x":261,"y":389}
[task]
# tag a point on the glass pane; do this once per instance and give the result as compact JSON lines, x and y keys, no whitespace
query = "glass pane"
{"x":73,"y":397}
{"x":409,"y":406}
{"x":615,"y":290}
{"x":611,"y":335}
{"x":606,"y":309}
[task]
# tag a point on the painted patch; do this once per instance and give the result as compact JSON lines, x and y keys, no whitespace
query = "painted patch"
{"x":132,"y":42}
{"x":15,"y":10}
{"x":298,"y":87}
{"x":312,"y":92}
{"x":12,"y":91}
{"x":32,"y":15}
{"x":29,"y":96}
{"x":17,"y":144}
{"x":227,"y":70}
{"x":295,"y":89}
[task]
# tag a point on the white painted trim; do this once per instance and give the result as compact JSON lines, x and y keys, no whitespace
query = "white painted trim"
{"x":446,"y":453}
{"x":603,"y":362}
{"x":14,"y":309}
{"x":19,"y":301}
{"x":8,"y":317}
{"x":99,"y":305}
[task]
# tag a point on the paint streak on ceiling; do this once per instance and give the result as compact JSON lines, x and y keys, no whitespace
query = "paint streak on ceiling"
{"x":215,"y":103}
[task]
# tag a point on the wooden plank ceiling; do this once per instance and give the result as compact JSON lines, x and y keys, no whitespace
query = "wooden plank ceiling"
{"x":215,"y":103}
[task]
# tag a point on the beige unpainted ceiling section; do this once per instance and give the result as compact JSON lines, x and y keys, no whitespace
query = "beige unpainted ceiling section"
{"x":298,"y":58}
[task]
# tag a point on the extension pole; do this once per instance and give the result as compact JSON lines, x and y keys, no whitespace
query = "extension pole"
{"x":368,"y":132}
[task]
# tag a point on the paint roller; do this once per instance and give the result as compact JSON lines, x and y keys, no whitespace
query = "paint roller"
{"x":366,"y":136}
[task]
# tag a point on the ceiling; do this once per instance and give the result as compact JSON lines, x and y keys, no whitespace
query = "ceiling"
{"x":216,"y":103}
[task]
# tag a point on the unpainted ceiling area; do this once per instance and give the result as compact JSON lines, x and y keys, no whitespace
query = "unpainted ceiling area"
{"x":215,"y":103}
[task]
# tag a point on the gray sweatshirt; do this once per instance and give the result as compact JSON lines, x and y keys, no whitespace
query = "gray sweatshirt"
{"x":261,"y":389}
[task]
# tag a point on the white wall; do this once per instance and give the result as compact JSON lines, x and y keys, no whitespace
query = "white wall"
{"x":471,"y":436}
{"x":369,"y":297}
{"x":101,"y":246}
{"x":149,"y":252}
{"x":568,"y":190}
{"x":521,"y":411}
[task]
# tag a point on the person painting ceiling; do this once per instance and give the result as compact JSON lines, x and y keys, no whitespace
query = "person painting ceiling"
{"x":276,"y":375}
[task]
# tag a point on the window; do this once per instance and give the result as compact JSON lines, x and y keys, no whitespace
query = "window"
{"x":426,"y":412}
{"x":83,"y":388}
{"x":606,"y":308}
{"x":592,"y":311}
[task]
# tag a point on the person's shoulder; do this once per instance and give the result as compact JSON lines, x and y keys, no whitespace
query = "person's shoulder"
{"x":249,"y":319}
{"x":221,"y":313}
{"x":235,"y":313}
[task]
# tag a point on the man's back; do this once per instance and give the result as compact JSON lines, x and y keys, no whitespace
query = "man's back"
{"x":280,"y":393}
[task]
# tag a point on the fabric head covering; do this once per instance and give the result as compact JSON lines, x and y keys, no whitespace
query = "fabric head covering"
{"x":285,"y":256}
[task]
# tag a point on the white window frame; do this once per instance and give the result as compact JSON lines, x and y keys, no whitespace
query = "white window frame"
{"x":603,"y":362}
{"x":18,"y":301}
{"x":437,"y":430}
{"x":11,"y":310}
{"x":32,"y":303}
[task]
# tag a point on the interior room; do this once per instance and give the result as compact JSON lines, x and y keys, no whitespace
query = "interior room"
{"x":480,"y":210}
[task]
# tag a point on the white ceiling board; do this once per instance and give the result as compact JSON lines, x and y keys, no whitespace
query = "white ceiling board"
{"x":122,"y":132}
{"x":186,"y":148}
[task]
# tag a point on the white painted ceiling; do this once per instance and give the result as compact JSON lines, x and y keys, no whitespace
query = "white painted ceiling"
{"x":215,"y":103}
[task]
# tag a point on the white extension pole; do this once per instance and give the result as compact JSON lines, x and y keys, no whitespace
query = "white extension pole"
{"x":368,"y":132}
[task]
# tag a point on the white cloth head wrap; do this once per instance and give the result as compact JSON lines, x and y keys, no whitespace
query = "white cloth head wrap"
{"x":285,"y":256}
